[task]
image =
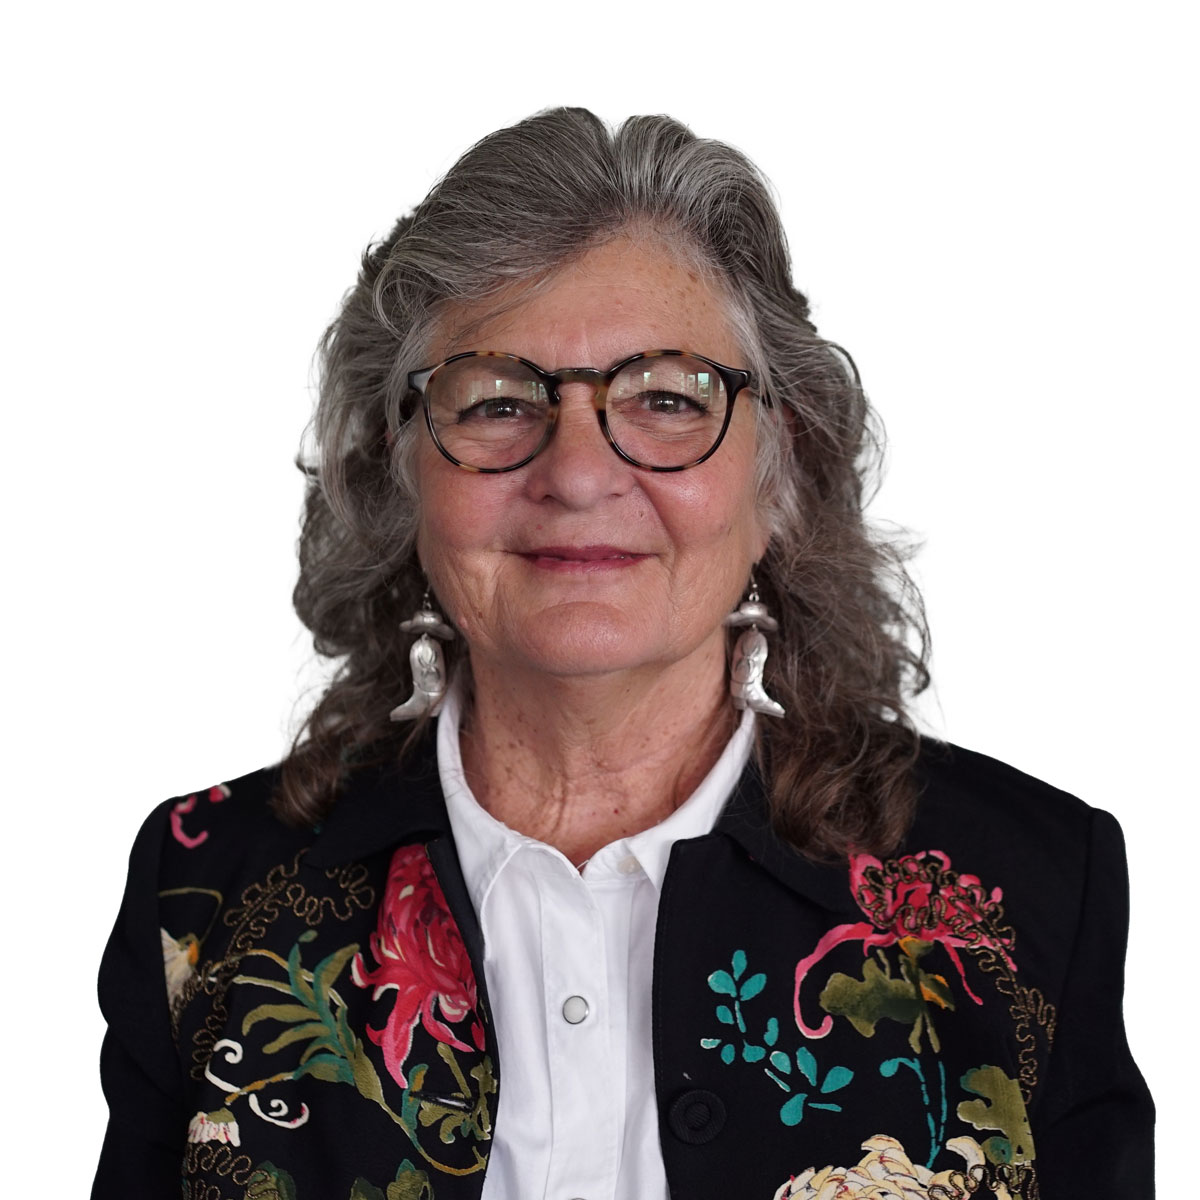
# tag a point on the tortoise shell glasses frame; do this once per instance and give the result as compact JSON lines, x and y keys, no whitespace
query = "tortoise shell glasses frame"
{"x":424,"y":381}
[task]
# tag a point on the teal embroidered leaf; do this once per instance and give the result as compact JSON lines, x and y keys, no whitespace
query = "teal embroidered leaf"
{"x":724,"y":1015}
{"x":722,"y":983}
{"x":837,"y":1079}
{"x":807,"y":1064}
{"x":792,"y":1112}
{"x":828,"y":1107}
{"x":710,"y":1043}
{"x":739,"y":963}
{"x":772,"y":1034}
{"x":728,"y":1053}
{"x":781,"y":1062}
{"x":752,"y":986}
{"x":753,"y":1054}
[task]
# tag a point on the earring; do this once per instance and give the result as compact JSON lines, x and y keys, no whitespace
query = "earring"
{"x":428,"y":665}
{"x":750,"y":655}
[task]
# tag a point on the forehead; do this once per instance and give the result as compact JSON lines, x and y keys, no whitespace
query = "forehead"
{"x":627,"y":295}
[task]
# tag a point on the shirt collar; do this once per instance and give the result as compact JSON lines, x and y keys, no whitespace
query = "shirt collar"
{"x":486,"y":846}
{"x":388,"y":804}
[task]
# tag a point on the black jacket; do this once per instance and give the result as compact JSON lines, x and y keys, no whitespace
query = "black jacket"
{"x":325,"y":1031}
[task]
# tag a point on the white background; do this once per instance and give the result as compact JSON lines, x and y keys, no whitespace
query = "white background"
{"x":993,"y":210}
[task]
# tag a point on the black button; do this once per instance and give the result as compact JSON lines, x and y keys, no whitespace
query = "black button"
{"x":697,"y":1117}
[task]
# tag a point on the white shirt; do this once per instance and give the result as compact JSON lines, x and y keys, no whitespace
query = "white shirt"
{"x":568,"y":958}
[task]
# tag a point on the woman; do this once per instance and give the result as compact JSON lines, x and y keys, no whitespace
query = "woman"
{"x":671,"y":898}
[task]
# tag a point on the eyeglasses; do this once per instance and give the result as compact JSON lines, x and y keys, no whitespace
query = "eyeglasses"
{"x":663,"y":410}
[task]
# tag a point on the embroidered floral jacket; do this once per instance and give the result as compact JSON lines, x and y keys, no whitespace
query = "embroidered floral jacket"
{"x":302,"y":1015}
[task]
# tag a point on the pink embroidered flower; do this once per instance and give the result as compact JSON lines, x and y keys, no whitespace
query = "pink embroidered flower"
{"x":421,"y":956}
{"x":916,"y":896}
{"x":181,"y":807}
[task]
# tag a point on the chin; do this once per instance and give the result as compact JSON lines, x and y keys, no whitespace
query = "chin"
{"x":586,"y":639}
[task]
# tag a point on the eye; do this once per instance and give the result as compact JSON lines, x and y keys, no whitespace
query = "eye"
{"x":493,"y":408}
{"x":664,"y":403}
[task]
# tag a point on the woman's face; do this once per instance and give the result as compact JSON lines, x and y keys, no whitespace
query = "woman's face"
{"x":579,"y":563}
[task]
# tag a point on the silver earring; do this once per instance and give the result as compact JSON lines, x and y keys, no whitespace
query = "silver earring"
{"x":428,"y":665}
{"x":750,"y":655}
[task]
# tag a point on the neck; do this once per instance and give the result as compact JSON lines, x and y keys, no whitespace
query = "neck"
{"x":579,"y":763}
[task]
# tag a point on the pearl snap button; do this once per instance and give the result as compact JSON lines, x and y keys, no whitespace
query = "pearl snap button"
{"x":575,"y":1009}
{"x":628,"y":865}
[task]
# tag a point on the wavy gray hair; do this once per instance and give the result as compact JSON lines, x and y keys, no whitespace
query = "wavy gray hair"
{"x":853,"y":644}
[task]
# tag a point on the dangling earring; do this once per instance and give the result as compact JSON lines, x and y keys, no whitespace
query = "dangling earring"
{"x":428,"y":665}
{"x":750,"y":655}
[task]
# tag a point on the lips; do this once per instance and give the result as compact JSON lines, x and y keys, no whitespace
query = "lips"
{"x":581,"y":553}
{"x":582,"y":557}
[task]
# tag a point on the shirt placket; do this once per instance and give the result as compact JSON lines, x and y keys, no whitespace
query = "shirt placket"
{"x":585,"y":1084}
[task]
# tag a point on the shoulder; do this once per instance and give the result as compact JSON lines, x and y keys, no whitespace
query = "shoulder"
{"x":955,"y":780}
{"x":222,"y":825}
{"x":1044,"y":847}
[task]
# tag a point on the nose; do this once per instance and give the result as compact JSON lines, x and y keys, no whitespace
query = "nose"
{"x":578,"y":467}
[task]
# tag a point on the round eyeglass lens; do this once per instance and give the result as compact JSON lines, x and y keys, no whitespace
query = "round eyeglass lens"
{"x":667,"y":410}
{"x":487,"y":410}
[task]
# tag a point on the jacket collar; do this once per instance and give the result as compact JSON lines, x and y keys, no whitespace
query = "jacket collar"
{"x":382,"y":807}
{"x":386,"y":806}
{"x":746,"y":819}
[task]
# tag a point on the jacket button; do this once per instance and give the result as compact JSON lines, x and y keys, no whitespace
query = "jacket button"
{"x":697,"y":1117}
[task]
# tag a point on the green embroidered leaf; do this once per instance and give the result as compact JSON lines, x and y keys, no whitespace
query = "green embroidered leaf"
{"x":739,"y":963}
{"x":297,"y":1033}
{"x":269,"y":1182}
{"x":362,"y":1190}
{"x":410,"y":1106}
{"x":307,"y":936}
{"x":878,"y":995}
{"x":330,"y":968}
{"x":274,"y":984}
{"x":710,"y":1043}
{"x":724,"y":1015}
{"x":792,"y":1112}
{"x":781,"y":1062}
{"x":752,"y":986}
{"x":275,"y":1012}
{"x":837,"y":1079}
{"x":807,"y":1064}
{"x":329,"y":1068}
{"x":320,"y":1045}
{"x":722,"y":983}
{"x":411,"y":1184}
{"x":753,"y":1054}
{"x":728,"y":1053}
{"x":772,"y":1034}
{"x":1000,"y":1107}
